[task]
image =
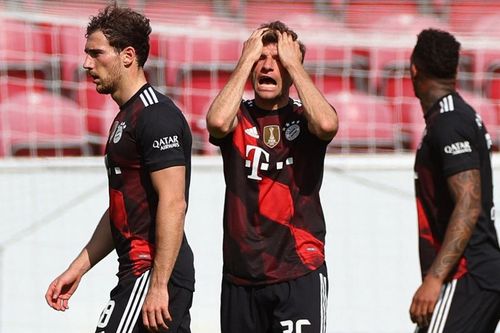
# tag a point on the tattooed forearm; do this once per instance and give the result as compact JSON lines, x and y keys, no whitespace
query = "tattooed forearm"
{"x":465,"y":188}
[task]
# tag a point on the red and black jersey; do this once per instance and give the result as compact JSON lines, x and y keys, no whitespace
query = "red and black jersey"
{"x":148,"y":134}
{"x":274,"y":228}
{"x":455,"y":140}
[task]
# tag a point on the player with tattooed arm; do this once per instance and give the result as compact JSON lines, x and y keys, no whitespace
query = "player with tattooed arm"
{"x":459,"y":253}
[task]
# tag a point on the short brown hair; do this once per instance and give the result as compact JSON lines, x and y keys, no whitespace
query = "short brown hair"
{"x":271,"y":38}
{"x":123,"y":27}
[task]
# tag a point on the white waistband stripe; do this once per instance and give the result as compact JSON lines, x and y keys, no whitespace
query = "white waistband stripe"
{"x":442,"y":308}
{"x":324,"y":301}
{"x":134,"y":305}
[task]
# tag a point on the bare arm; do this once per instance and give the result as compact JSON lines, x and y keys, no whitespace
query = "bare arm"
{"x":99,"y":246}
{"x":221,"y":116}
{"x":465,"y":188}
{"x":170,"y":185}
{"x":321,"y":116}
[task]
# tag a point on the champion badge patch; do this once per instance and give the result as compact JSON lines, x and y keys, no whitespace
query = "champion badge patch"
{"x":271,"y":135}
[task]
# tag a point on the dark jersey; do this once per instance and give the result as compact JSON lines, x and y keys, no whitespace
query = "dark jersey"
{"x":148,"y":134}
{"x":274,"y":228}
{"x":455,"y":140}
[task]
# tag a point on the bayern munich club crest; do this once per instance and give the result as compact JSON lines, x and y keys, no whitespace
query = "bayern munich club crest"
{"x":117,"y":132}
{"x":272,"y":135}
{"x":292,"y":130}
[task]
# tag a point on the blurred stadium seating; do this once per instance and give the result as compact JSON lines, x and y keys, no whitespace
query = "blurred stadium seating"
{"x":357,"y":54}
{"x":42,"y":124}
{"x":367,"y":124}
{"x":26,"y":60}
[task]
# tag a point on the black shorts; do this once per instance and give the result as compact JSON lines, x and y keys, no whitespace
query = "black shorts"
{"x":122,"y":314}
{"x":293,"y":306}
{"x":464,"y":307}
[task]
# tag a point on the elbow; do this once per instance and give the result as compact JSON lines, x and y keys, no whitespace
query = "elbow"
{"x":176,"y":205}
{"x":328,"y":128}
{"x":180,"y":207}
{"x":217,"y":127}
{"x":477,"y":211}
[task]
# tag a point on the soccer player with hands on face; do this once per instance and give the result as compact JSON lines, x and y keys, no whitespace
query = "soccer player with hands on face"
{"x":273,"y":150}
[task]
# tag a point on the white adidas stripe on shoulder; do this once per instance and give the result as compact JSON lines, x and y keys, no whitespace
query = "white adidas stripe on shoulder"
{"x":248,"y":102}
{"x":446,"y":104}
{"x":297,"y":102}
{"x":148,"y":97}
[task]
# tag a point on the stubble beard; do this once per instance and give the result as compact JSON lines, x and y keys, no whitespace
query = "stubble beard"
{"x":109,"y":84}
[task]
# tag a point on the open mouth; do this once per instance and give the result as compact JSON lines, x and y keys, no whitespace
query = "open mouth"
{"x":267,"y":80}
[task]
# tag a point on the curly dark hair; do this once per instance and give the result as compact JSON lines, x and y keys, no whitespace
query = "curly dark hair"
{"x":123,"y":27}
{"x":436,"y":54}
{"x":271,"y":38}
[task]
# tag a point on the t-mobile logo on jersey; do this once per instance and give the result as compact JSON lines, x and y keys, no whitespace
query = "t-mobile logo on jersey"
{"x":255,"y":163}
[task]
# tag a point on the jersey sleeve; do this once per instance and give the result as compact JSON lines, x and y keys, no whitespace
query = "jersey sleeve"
{"x":218,"y":141}
{"x":160,"y":136}
{"x":456,"y":141}
{"x":228,"y":138}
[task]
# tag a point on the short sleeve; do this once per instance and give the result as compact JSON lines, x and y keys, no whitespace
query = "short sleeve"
{"x":456,"y":140}
{"x":228,"y":138}
{"x":217,"y":141}
{"x":161,"y":131}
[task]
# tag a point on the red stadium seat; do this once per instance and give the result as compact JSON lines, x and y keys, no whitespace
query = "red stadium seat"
{"x":393,"y":58}
{"x":99,"y":120}
{"x":411,"y":118}
{"x":179,"y":12}
{"x":464,"y":15}
{"x":362,"y":14}
{"x":72,"y":43}
{"x":71,"y":9}
{"x":390,"y":67}
{"x":484,"y":58}
{"x":42,"y":124}
{"x":99,"y":111}
{"x":488,"y":112}
{"x":15,"y":81}
{"x":331,"y":80}
{"x":199,"y":85}
{"x":492,"y":82}
{"x":22,"y":41}
{"x":26,"y":59}
{"x":257,"y":12}
{"x":366,"y":123}
{"x":176,"y":51}
{"x":487,"y":24}
{"x":337,"y":67}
